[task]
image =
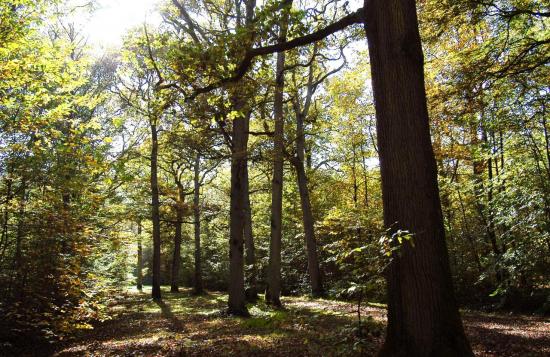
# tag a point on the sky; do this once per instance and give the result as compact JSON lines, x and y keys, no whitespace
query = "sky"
{"x":106,"y":26}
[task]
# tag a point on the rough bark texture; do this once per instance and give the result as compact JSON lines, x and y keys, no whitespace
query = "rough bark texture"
{"x":423,"y":317}
{"x":176,"y":258}
{"x":155,"y":213}
{"x":239,"y":157}
{"x":237,"y":301}
{"x":197,"y":226}
{"x":273,"y":291}
{"x":307,"y":214}
{"x":139,"y":283}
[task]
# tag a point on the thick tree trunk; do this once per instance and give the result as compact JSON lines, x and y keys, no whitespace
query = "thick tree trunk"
{"x":197,"y":225}
{"x":237,"y":301}
{"x":273,"y":291}
{"x":139,"y":283}
{"x":176,"y":258}
{"x":307,"y":214}
{"x":239,"y":157}
{"x":155,"y":213}
{"x":423,"y":317}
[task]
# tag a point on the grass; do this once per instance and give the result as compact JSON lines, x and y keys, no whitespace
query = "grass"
{"x":182,"y":324}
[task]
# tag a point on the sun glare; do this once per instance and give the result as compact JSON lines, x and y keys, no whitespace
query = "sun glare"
{"x":106,"y":26}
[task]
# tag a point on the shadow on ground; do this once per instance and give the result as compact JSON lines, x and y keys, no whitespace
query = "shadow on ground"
{"x":182,"y":324}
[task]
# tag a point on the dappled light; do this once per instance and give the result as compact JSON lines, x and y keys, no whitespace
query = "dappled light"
{"x":274,"y":178}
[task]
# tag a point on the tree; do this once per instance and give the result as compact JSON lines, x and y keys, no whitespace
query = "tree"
{"x":423,"y":315}
{"x":239,"y":157}
{"x":177,"y":171}
{"x":302,"y":108}
{"x":138,"y":90}
{"x":54,"y":175}
{"x":139,"y":282}
{"x":482,"y":73}
{"x":273,"y":291}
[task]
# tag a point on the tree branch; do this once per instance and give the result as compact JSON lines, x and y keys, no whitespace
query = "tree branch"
{"x":356,"y":17}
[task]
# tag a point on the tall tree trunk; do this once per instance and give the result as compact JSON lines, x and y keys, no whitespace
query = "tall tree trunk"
{"x":354,"y":174}
{"x":176,"y":258}
{"x":423,"y":317}
{"x":139,"y":284}
{"x":20,"y":234}
{"x":546,"y":183}
{"x":365,"y":178}
{"x":155,"y":212}
{"x":237,"y":301}
{"x":6,"y":214}
{"x":502,"y":161}
{"x":478,"y":166}
{"x":307,"y":215}
{"x":250,"y":256}
{"x":545,"y":131}
{"x":273,"y":291}
{"x":197,"y":225}
{"x":490,"y":225}
{"x":237,"y":298}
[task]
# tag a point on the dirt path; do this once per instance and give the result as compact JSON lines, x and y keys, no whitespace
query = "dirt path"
{"x":184,"y":325}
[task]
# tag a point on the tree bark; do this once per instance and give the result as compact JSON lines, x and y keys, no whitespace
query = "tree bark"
{"x":139,"y":284}
{"x":250,"y":256}
{"x":197,"y":225}
{"x":239,"y":157}
{"x":423,"y":317}
{"x":491,"y":233}
{"x":17,"y":278}
{"x":273,"y":291}
{"x":354,"y":174}
{"x":176,"y":258}
{"x":307,"y":214}
{"x":6,"y":214}
{"x":155,"y":212}
{"x":20,"y":227}
{"x":237,"y":301}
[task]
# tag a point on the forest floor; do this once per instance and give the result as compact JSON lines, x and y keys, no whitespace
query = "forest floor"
{"x":186,"y":325}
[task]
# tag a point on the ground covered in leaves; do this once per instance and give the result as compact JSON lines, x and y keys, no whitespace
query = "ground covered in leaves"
{"x":186,"y":325}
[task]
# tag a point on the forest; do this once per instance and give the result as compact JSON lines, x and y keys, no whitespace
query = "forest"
{"x":276,"y":178}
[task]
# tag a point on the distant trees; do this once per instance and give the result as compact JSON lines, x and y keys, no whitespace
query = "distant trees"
{"x":54,"y":176}
{"x":139,"y":93}
{"x":481,"y":102}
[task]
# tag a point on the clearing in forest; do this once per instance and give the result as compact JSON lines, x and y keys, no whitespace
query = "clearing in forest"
{"x":186,"y":325}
